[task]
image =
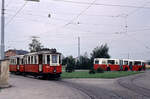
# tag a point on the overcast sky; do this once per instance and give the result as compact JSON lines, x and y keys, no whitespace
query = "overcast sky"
{"x":123,"y":24}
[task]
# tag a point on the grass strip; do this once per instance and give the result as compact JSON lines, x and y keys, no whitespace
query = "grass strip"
{"x":85,"y":74}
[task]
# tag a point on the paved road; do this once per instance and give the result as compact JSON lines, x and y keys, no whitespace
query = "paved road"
{"x":132,"y":87}
{"x":30,"y":88}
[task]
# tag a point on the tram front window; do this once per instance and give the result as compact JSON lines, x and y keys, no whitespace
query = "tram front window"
{"x":54,"y":58}
{"x":96,"y":62}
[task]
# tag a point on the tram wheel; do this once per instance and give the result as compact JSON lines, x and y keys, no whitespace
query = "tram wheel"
{"x":126,"y":69}
{"x":139,"y":69}
{"x":108,"y":69}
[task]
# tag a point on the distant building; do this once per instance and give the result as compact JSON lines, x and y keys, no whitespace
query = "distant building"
{"x":13,"y":52}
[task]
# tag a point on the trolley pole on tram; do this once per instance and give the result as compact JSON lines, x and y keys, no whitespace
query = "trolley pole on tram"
{"x":2,"y":29}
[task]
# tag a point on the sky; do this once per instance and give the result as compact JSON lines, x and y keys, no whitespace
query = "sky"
{"x":122,"y":24}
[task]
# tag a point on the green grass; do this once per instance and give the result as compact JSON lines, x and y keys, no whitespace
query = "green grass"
{"x":85,"y":74}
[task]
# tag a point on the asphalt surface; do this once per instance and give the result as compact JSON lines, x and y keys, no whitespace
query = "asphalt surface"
{"x":131,"y":87}
{"x":30,"y":88}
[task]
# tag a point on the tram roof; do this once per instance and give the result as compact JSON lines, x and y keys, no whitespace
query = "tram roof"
{"x":42,"y":52}
{"x":17,"y":56}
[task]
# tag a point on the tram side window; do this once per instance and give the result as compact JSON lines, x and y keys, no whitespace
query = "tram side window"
{"x":40,"y":57}
{"x":14,"y":61}
{"x":28,"y":59}
{"x":103,"y":62}
{"x":43,"y":59}
{"x":54,"y":58}
{"x":137,"y":63}
{"x":111,"y":62}
{"x":32,"y":60}
{"x":117,"y":62}
{"x":11,"y":61}
{"x":96,"y":61}
{"x":48,"y":59}
{"x":17,"y":61}
{"x":22,"y":61}
{"x":60,"y":59}
{"x":25,"y":60}
{"x":143,"y":64}
{"x":35,"y":59}
{"x":125,"y":62}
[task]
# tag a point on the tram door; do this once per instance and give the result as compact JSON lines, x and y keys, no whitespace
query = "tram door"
{"x":40,"y":62}
{"x":121,"y":64}
{"x":17,"y":63}
{"x":130,"y":65}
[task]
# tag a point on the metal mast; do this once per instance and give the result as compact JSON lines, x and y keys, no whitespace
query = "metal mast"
{"x":79,"y":48}
{"x":2,"y":30}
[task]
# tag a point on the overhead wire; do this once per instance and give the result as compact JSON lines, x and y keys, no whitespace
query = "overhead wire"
{"x":116,"y":5}
{"x":18,"y":11}
{"x":77,"y":16}
{"x":81,"y":13}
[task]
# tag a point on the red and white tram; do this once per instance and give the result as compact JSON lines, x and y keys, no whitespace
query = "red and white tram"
{"x":42,"y":63}
{"x":118,"y":64}
{"x":135,"y":65}
{"x":107,"y":64}
{"x":124,"y":64}
{"x":16,"y":64}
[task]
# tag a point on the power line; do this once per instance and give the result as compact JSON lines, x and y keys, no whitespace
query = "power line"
{"x":90,"y":4}
{"x":131,"y":13}
{"x":19,"y":10}
{"x":74,"y":17}
{"x":115,"y":5}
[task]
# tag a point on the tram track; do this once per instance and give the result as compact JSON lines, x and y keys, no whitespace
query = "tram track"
{"x":87,"y":88}
{"x":128,"y":83}
{"x":91,"y":91}
{"x":74,"y":86}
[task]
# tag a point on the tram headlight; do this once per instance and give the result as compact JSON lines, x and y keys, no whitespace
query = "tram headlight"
{"x":54,"y":70}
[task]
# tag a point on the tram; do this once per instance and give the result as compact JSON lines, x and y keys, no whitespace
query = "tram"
{"x":42,"y":63}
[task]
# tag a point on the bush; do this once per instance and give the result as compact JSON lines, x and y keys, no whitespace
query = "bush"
{"x":69,"y":69}
{"x":92,"y":71}
{"x":100,"y":70}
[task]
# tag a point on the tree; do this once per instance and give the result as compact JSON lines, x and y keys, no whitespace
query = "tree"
{"x":100,"y":52}
{"x":35,"y":45}
{"x":70,"y":62}
{"x":84,"y":62}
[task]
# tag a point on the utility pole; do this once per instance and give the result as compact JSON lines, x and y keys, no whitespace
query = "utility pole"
{"x":2,"y":30}
{"x":128,"y":56}
{"x":79,"y":48}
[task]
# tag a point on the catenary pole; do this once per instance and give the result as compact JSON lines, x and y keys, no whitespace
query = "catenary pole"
{"x":79,"y":48}
{"x":2,"y":29}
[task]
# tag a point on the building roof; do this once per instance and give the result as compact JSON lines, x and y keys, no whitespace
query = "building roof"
{"x":18,"y":52}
